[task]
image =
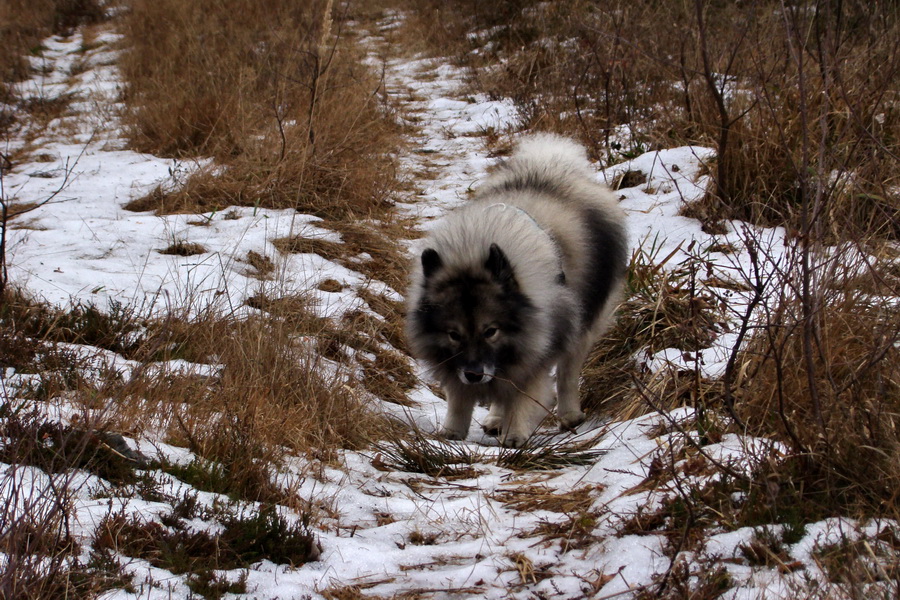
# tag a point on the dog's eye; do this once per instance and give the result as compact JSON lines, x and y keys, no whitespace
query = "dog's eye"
{"x":454,"y":336}
{"x":490,"y":333}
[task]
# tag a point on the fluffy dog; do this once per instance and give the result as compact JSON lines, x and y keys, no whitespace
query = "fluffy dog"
{"x":521,"y":279}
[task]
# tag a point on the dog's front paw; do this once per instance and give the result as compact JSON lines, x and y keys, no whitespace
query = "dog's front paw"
{"x":514,"y":439}
{"x":453,"y":434}
{"x":569,"y":421}
{"x":491,"y":426}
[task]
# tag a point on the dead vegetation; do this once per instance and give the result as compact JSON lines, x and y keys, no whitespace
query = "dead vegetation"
{"x":277,"y":95}
{"x":665,"y":306}
{"x":806,"y":130}
{"x":267,"y":394}
{"x":23,"y":26}
{"x":752,"y":80}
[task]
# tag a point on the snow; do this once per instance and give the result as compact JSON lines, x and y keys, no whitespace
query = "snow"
{"x":84,"y":247}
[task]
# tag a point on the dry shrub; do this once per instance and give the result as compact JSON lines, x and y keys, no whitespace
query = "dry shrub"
{"x":274,"y":91}
{"x":273,"y":393}
{"x":808,"y":111}
{"x":839,"y":409}
{"x":664,"y":306}
{"x":785,"y":93}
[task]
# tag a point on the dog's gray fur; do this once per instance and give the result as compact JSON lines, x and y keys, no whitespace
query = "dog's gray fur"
{"x":521,"y":279}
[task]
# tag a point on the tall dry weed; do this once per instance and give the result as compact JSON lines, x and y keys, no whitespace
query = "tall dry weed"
{"x":828,"y":386}
{"x":276,"y":91}
{"x":271,"y":391}
{"x":752,"y":79}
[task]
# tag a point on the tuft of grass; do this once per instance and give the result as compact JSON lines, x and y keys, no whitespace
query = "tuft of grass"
{"x":629,"y":179}
{"x":575,"y":532}
{"x":767,"y":549}
{"x":540,"y":497}
{"x":299,"y":244}
{"x":213,"y":477}
{"x":664,"y":306}
{"x":183,"y":248}
{"x":415,"y":453}
{"x":246,"y":537}
{"x":371,"y":248}
{"x":273,"y":394}
{"x":263,"y":266}
{"x":45,"y":109}
{"x":858,"y":563}
{"x":417,"y":538}
{"x":548,"y":454}
{"x":213,"y":586}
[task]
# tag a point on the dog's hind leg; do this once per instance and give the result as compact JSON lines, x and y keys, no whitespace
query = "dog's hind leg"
{"x":568,"y":373}
{"x":526,"y":411}
{"x":459,"y":415}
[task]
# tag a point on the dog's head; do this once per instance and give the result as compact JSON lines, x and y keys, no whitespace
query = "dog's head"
{"x":470,"y":318}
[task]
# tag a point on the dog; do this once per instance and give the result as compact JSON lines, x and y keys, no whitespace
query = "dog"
{"x":521,"y":279}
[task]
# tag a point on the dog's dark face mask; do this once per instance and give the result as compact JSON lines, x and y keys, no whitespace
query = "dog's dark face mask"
{"x":471,"y":317}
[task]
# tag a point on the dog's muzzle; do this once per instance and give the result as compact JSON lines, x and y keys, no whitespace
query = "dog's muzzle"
{"x":475,"y":374}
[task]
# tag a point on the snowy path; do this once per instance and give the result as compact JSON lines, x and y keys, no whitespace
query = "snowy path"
{"x":79,"y":245}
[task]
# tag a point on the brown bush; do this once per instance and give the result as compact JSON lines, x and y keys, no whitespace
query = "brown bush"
{"x":275,"y":91}
{"x":838,"y":410}
{"x":785,"y":96}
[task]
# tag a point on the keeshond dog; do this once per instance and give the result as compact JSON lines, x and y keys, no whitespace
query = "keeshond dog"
{"x":521,"y":279}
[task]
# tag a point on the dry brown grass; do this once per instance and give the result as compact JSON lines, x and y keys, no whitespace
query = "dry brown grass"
{"x":839,"y":411}
{"x":274,"y":392}
{"x":274,"y":387}
{"x":782,"y":94}
{"x":369,"y":247}
{"x":23,"y":24}
{"x":664,"y":306}
{"x":276,"y":92}
{"x":530,"y":498}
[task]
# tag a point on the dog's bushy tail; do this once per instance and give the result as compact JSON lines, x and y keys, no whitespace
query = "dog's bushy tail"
{"x":541,"y":151}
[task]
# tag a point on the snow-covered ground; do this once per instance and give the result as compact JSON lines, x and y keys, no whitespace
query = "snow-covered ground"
{"x":492,"y":532}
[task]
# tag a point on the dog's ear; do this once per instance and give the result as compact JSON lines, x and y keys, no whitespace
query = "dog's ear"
{"x":431,"y":262}
{"x":498,"y":266}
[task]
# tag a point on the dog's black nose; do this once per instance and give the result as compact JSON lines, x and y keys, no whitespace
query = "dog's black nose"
{"x":474,"y":377}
